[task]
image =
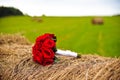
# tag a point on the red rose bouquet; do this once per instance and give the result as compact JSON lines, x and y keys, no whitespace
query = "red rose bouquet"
{"x":44,"y":49}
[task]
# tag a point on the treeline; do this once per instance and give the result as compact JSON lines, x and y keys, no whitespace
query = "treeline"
{"x":8,"y":11}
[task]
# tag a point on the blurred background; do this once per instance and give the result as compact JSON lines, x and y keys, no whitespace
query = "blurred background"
{"x":83,"y":26}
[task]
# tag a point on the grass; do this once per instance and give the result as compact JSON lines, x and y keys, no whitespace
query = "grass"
{"x":74,"y":33}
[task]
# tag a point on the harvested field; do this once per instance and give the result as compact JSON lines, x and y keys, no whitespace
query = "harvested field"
{"x":16,"y":64}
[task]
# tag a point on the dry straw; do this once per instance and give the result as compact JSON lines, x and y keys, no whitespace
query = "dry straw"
{"x":16,"y":64}
{"x":10,"y":39}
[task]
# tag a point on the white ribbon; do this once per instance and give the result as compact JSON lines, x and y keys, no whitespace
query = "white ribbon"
{"x":66,"y":53}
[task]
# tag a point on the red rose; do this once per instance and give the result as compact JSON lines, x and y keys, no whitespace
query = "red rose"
{"x":43,"y":49}
{"x":47,"y":53}
{"x":37,"y":56}
{"x":48,"y":56}
{"x":43,"y":37}
{"x":48,"y":62}
{"x":49,"y":43}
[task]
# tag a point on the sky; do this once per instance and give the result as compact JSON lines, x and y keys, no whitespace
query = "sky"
{"x":65,"y":7}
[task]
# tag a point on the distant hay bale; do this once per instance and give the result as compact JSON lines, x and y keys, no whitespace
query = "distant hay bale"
{"x":10,"y":39}
{"x":37,"y":19}
{"x":98,"y":21}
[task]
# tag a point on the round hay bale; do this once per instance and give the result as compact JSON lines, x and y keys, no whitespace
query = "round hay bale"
{"x":10,"y":39}
{"x":1,"y":72}
{"x":37,"y":19}
{"x":16,"y":64}
{"x":97,"y":21}
{"x":10,"y":55}
{"x":86,"y":68}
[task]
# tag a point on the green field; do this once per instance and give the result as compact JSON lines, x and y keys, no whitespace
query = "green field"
{"x":74,"y":33}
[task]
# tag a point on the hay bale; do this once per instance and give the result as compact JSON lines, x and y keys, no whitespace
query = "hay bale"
{"x":10,"y":55}
{"x":97,"y":21}
{"x":86,"y":68}
{"x":37,"y":19}
{"x":10,"y":39}
{"x":16,"y":64}
{"x":1,"y":72}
